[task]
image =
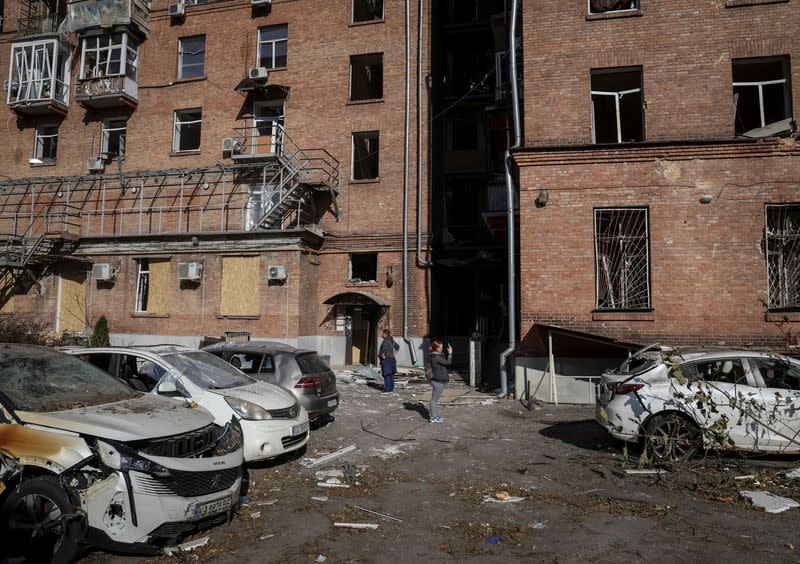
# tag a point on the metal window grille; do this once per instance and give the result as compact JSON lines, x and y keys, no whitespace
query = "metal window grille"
{"x":783,"y":256}
{"x":623,"y":258}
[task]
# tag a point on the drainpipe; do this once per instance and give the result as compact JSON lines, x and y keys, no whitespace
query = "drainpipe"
{"x":406,"y":338}
{"x":420,"y":261}
{"x":512,"y":266}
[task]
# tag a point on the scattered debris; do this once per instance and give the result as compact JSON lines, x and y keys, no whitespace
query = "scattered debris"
{"x":793,"y":473}
{"x":245,"y":499}
{"x":320,"y":474}
{"x":312,"y":462}
{"x":390,"y":451}
{"x":384,"y":515}
{"x":265,"y":537}
{"x":595,"y":490}
{"x":350,"y":472}
{"x":746,"y":477}
{"x":493,"y":539}
{"x":255,"y":515}
{"x":187,"y":546}
{"x":357,"y":525}
{"x":509,"y":499}
{"x":768,"y":501}
{"x":502,"y":495}
{"x":332,"y":483}
{"x":647,"y":471}
{"x":270,"y":502}
{"x":320,"y":498}
{"x":538,"y":524}
{"x":321,"y":558}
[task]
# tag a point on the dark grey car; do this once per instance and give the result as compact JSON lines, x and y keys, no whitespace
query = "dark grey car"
{"x":302,"y":371}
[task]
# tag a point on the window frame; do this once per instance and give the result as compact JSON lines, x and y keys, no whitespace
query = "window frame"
{"x":786,"y":81}
{"x":602,"y":270}
{"x":142,"y":285}
{"x":778,"y":298}
{"x":128,"y":64}
{"x":108,"y":130}
{"x":636,"y":3}
{"x":182,"y":66}
{"x":364,"y":135}
{"x":39,"y":142}
{"x":273,"y":43}
{"x":617,"y":94}
{"x":351,"y":279}
{"x":366,"y":20}
{"x":354,"y":67}
{"x":177,"y":131}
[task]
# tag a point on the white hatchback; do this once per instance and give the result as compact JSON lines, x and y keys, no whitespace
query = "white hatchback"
{"x":676,"y":404}
{"x":272,"y":420}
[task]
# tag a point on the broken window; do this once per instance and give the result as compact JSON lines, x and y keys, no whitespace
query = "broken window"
{"x":192,"y":56}
{"x":617,"y":105}
{"x":46,"y":144}
{"x":142,"y":285}
{"x":186,"y":136}
{"x":729,"y":371}
{"x":103,"y":56}
{"x":365,"y":155}
{"x":623,"y":261}
{"x":152,"y":286}
{"x":363,"y":267}
{"x":761,"y":92}
{"x":366,"y":76}
{"x":272,"y":46}
{"x":600,"y":6}
{"x":464,"y":135}
{"x":783,"y":256}
{"x":367,"y":10}
{"x":113,"y":138}
{"x":39,"y":71}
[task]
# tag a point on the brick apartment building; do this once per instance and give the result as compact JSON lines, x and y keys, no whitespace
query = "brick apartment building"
{"x":207,"y":167}
{"x":659,"y":182}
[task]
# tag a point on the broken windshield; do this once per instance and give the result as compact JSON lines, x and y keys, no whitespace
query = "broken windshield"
{"x":56,"y":382}
{"x":206,"y":370}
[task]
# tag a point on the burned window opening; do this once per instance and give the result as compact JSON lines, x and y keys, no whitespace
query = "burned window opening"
{"x":602,"y":6}
{"x":622,"y":259}
{"x":617,"y":105}
{"x":366,"y":155}
{"x":782,"y":238}
{"x":366,"y":77}
{"x":761,"y":92}
{"x":363,"y":267}
{"x":367,"y":10}
{"x":186,"y":134}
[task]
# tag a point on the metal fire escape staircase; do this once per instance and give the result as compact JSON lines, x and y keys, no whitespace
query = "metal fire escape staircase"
{"x":291,"y":180}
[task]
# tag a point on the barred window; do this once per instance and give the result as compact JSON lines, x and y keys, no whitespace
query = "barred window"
{"x":783,"y":256}
{"x":622,"y":252}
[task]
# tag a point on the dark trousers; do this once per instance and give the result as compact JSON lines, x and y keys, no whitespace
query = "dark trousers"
{"x":388,"y":369}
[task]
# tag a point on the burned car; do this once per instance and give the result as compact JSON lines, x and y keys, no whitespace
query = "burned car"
{"x":301,"y":371}
{"x":676,"y":404}
{"x":86,"y":461}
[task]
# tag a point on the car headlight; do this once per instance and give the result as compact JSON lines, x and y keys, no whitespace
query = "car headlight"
{"x":247,"y":410}
{"x":121,"y":457}
{"x":230,"y":440}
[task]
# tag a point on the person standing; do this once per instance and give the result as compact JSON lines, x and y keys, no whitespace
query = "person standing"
{"x":388,"y":361}
{"x":439,"y":364}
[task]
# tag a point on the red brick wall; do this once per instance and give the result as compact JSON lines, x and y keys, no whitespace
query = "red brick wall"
{"x":707,"y":264}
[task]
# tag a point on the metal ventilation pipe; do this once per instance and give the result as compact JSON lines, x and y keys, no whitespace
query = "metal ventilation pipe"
{"x":420,"y":29}
{"x":406,"y":128}
{"x":512,"y":264}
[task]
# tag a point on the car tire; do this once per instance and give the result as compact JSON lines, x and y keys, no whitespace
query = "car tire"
{"x":35,"y":518}
{"x":669,"y":437}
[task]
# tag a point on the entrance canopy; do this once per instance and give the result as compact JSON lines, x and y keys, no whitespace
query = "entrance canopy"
{"x":356,"y":299}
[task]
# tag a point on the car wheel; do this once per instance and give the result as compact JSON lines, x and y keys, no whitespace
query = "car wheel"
{"x":40,"y":522}
{"x":671,"y":438}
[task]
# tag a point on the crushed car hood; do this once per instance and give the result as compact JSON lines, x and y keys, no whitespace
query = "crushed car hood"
{"x":145,"y":417}
{"x":263,"y":394}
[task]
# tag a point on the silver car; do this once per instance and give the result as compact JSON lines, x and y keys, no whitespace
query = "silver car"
{"x":302,"y":371}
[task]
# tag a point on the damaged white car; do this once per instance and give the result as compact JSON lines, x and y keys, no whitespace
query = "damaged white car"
{"x":674,"y":404}
{"x":86,"y":461}
{"x":273,"y":422}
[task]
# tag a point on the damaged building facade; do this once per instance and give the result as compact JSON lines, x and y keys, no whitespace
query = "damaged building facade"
{"x":659,"y":183}
{"x":202,"y":168}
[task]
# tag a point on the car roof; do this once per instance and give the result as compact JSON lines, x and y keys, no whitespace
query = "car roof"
{"x":255,"y":346}
{"x":718,"y":354}
{"x":16,"y":350}
{"x":152,"y":349}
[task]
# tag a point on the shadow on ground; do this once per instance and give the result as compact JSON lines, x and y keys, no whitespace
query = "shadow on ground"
{"x":418,"y":407}
{"x":586,"y":434}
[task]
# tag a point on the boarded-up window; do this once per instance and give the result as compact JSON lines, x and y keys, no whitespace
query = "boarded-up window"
{"x":152,"y":289}
{"x":239,"y":295}
{"x":72,"y":303}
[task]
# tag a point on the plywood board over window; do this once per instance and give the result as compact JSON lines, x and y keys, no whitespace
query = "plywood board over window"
{"x":158,"y":291}
{"x":72,"y":303}
{"x":240,"y":285}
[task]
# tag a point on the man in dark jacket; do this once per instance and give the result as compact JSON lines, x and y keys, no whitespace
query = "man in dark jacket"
{"x":439,"y":366}
{"x":388,"y":362}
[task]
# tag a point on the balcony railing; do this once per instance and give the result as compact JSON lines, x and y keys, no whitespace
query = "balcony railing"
{"x":263,"y":139}
{"x":106,"y":87}
{"x":38,"y":25}
{"x":38,"y":91}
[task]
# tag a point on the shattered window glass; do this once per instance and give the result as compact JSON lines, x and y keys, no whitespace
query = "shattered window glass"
{"x":761,"y":93}
{"x":617,"y":105}
{"x":206,"y":370}
{"x":622,"y":259}
{"x":311,"y":363}
{"x":783,"y":256}
{"x":56,"y":382}
{"x":777,"y":373}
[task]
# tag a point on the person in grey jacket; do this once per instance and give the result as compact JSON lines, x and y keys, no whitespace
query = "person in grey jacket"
{"x":439,"y":365}
{"x":386,"y":353}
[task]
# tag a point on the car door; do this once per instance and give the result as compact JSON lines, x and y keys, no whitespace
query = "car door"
{"x":779,"y":383}
{"x":729,"y":412}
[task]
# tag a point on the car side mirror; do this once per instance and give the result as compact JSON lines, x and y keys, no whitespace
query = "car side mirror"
{"x":168,"y":389}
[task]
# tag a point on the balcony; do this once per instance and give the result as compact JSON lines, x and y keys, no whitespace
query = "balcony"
{"x":107,"y":92}
{"x":39,"y":77}
{"x":87,"y":14}
{"x":260,"y":142}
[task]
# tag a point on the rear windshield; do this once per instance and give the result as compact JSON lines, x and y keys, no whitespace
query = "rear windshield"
{"x":58,"y":382}
{"x":636,"y":364}
{"x":311,"y":363}
{"x":206,"y":370}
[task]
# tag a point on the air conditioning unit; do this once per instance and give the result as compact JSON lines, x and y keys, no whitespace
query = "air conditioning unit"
{"x":176,"y":9}
{"x":258,"y":73}
{"x":190,"y":271}
{"x":103,"y":271}
{"x":231,"y":145}
{"x":96,"y":164}
{"x":276,"y":273}
{"x":261,"y":2}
